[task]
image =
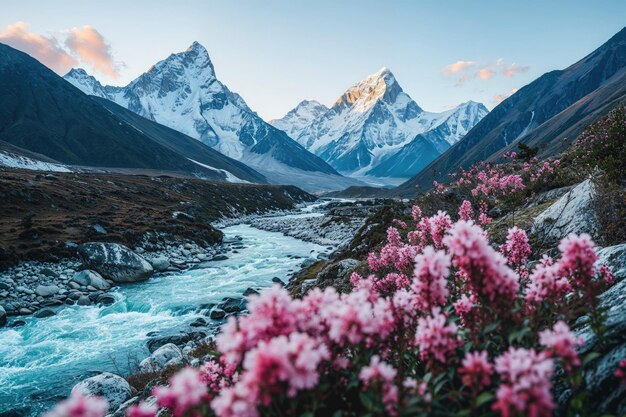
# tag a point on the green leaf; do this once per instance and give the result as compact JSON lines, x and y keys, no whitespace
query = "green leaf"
{"x":366,"y":400}
{"x":483,"y":398}
{"x":590,"y":357}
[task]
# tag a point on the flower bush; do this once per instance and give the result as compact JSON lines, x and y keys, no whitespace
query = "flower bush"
{"x":444,"y":323}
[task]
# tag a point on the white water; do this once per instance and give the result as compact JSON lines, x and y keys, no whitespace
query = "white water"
{"x":41,"y":361}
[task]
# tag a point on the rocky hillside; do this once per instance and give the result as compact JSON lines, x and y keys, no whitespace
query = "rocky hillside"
{"x":44,"y":114}
{"x":46,"y":215}
{"x":556,"y":106}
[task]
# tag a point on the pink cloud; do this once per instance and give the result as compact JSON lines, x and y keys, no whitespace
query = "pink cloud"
{"x":457,"y":66}
{"x":45,"y":49}
{"x":485,"y":74}
{"x":499,"y":98}
{"x":91,"y":48}
{"x":513,"y":70}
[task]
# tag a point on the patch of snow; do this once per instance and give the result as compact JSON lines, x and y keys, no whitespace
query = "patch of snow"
{"x":10,"y":160}
{"x":227,"y":174}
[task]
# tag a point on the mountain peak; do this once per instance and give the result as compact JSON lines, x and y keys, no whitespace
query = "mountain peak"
{"x":381,"y":85}
{"x":76,"y":72}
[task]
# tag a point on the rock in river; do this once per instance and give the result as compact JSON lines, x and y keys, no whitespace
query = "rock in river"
{"x":111,"y":387}
{"x":115,"y":262}
{"x":3,"y":317}
{"x":89,"y":277}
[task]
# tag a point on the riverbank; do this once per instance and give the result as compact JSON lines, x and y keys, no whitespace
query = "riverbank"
{"x":44,"y":216}
{"x":173,"y":308}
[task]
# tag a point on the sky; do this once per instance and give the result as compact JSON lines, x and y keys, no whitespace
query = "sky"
{"x":278,"y":53}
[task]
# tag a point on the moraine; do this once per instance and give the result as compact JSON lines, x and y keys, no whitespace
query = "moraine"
{"x":41,"y":361}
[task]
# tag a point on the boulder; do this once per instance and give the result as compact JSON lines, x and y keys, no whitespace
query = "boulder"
{"x":47,"y":290}
{"x":278,"y":281}
{"x":250,"y":291}
{"x":572,"y":213}
{"x":91,"y":278}
{"x":46,"y":312}
{"x":217,"y":314}
{"x":115,"y":262}
{"x":160,"y":263}
{"x":599,"y":380}
{"x":166,"y":355}
{"x":232,"y":305}
{"x":105,"y":299}
{"x":178,"y":340}
{"x":615,"y":257}
{"x":49,"y":273}
{"x":113,"y":388}
{"x":199,"y":322}
{"x":83,"y":300}
{"x":3,"y":317}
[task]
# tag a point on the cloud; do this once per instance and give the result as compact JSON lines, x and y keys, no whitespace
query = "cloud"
{"x":465,"y":70}
{"x":66,"y":50}
{"x":457,"y":66}
{"x":46,"y":49}
{"x":513,"y":70}
{"x":499,"y":98}
{"x":485,"y":74}
{"x":91,"y":48}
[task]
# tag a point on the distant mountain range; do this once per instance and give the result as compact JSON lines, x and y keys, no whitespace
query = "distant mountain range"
{"x":183,"y":93}
{"x":43,"y":114}
{"x":376,"y":129}
{"x":555,"y":107}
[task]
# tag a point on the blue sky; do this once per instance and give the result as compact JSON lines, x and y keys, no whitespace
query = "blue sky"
{"x":276,"y":53}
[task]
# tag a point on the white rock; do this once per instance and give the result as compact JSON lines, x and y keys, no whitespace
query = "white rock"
{"x":572,"y":213}
{"x":113,"y":388}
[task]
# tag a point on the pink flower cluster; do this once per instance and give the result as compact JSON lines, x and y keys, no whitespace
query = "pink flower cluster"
{"x":435,"y":337}
{"x":476,"y":370}
{"x":379,"y":372}
{"x":79,"y":406}
{"x":526,"y":383}
{"x":516,"y":249}
{"x":489,"y":276}
{"x":397,"y":331}
{"x":560,"y":342}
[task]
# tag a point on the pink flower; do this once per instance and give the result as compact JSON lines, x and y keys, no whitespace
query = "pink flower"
{"x":186,"y":391}
{"x":463,"y":307}
{"x":142,"y":410}
{"x":440,"y":223}
{"x":430,"y":278}
{"x":435,"y":338}
{"x":560,"y":341}
{"x":578,"y":257}
{"x":416,"y":213}
{"x":476,"y":370}
{"x":620,"y":372}
{"x":212,"y":375}
{"x":545,"y":283}
{"x":465,"y":210}
{"x":516,"y":249}
{"x":526,"y":383}
{"x":272,"y":313}
{"x":488,"y":274}
{"x":384,"y":374}
{"x":79,"y":406}
{"x":236,"y":401}
{"x":355,"y":319}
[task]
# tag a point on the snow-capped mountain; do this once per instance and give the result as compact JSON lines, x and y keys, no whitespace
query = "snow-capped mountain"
{"x":373,"y":121}
{"x":300,"y":117}
{"x":183,"y":92}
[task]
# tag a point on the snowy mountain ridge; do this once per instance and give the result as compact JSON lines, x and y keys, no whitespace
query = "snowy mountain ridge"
{"x":183,"y":93}
{"x":372,"y":121}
